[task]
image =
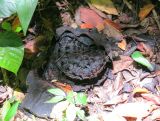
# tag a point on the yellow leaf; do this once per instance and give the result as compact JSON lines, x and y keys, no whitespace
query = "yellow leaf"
{"x":145,"y":11}
{"x":122,"y":44}
{"x":140,"y":90}
{"x":105,"y":5}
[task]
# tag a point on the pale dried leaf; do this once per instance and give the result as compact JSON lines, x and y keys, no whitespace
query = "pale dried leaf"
{"x":106,"y":6}
{"x":137,"y":109}
{"x":156,"y":115}
{"x":122,"y":64}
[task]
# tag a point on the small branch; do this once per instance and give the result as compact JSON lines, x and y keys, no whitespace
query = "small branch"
{"x":156,"y":18}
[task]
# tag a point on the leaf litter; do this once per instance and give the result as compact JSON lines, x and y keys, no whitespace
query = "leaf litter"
{"x":131,"y":92}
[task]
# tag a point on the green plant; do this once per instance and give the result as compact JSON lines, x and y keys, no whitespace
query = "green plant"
{"x":11,"y":46}
{"x":138,"y":57}
{"x":9,"y":109}
{"x":70,"y":103}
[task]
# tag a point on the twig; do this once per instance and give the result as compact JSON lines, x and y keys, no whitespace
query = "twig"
{"x":156,"y":18}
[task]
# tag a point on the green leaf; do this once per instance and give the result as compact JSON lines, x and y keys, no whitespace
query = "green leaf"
{"x":55,"y":99}
{"x":6,"y":26}
{"x":81,"y":114}
{"x":7,"y":8}
{"x":18,"y":29}
{"x":81,"y":99}
{"x":71,"y":112}
{"x":5,"y":109}
{"x":11,"y":51}
{"x":71,"y":97}
{"x":25,"y":10}
{"x":12,"y":111}
{"x":138,"y":57}
{"x":57,"y":91}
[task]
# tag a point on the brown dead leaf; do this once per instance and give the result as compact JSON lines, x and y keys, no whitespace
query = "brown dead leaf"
{"x":117,"y":99}
{"x":113,"y":24}
{"x":122,"y":44}
{"x":106,"y":6}
{"x":153,"y":98}
{"x":139,"y":90}
{"x":137,"y":109}
{"x":86,"y":26}
{"x":65,"y":87}
{"x":145,"y":49}
{"x":122,"y":64}
{"x":88,"y":16}
{"x":112,"y":30}
{"x":16,"y":23}
{"x":145,"y":11}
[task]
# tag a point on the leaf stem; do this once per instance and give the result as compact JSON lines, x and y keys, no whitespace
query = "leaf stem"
{"x":5,"y":76}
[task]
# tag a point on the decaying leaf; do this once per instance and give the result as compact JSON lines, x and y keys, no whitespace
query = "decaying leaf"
{"x":122,"y":44}
{"x":145,"y":11}
{"x":122,"y":64}
{"x":156,"y":115}
{"x":112,"y":31}
{"x":139,"y":90}
{"x":105,"y":5}
{"x":88,"y":16}
{"x":153,"y":98}
{"x":137,"y":109}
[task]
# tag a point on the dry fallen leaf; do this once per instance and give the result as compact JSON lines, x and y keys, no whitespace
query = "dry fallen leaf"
{"x":122,"y":44}
{"x":155,"y":115}
{"x":145,"y":49}
{"x":112,"y":30}
{"x":88,"y":16}
{"x":112,"y":117}
{"x":135,"y":110}
{"x":139,"y":90}
{"x":145,"y":11}
{"x":105,"y":5}
{"x":122,"y":64}
{"x":153,"y":98}
{"x":86,"y":26}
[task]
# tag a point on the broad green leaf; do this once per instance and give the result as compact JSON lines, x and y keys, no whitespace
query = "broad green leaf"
{"x":80,"y":113}
{"x":7,"y":8}
{"x":138,"y":57}
{"x":55,"y":99}
{"x":71,"y":97}
{"x":57,"y":91}
{"x":25,"y":10}
{"x":81,"y":99}
{"x":11,"y":51}
{"x":12,"y":111}
{"x":6,"y":26}
{"x":5,"y":109}
{"x":71,"y":112}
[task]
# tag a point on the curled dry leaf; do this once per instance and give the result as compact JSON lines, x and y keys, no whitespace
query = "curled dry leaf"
{"x":106,"y":6}
{"x":122,"y":64}
{"x":112,"y":30}
{"x":153,"y":98}
{"x":122,"y":44}
{"x":139,"y":90}
{"x":135,"y":110}
{"x":145,"y":49}
{"x":88,"y":16}
{"x":145,"y":11}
